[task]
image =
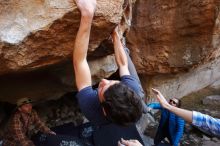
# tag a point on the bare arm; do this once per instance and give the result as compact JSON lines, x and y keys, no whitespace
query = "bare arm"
{"x":185,"y":114}
{"x":81,"y":67}
{"x":120,"y":55}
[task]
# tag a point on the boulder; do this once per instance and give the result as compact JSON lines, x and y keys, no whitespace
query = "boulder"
{"x":216,"y":85}
{"x":37,"y":40}
{"x":212,"y":100}
{"x":183,"y":84}
{"x":174,"y":45}
{"x":36,"y":33}
{"x":173,"y":36}
{"x":51,"y":82}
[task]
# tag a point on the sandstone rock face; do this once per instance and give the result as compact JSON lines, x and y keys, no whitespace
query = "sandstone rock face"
{"x":180,"y":85}
{"x":173,"y":36}
{"x":175,"y":45}
{"x":50,"y":83}
{"x":166,"y":37}
{"x":38,"y":33}
{"x":36,"y":43}
{"x":216,"y":85}
{"x":212,"y":100}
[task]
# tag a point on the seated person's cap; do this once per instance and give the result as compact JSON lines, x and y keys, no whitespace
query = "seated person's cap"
{"x":23,"y":101}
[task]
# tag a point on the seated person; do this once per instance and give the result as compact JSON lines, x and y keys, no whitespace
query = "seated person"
{"x":20,"y":124}
{"x":203,"y":122}
{"x":171,"y":126}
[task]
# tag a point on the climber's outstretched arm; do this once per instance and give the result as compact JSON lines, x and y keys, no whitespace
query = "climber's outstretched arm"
{"x":120,"y":55}
{"x":81,"y":67}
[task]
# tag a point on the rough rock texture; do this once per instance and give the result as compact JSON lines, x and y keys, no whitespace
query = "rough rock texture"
{"x":173,"y":36}
{"x":216,"y":85}
{"x":37,"y":33}
{"x":166,"y":37}
{"x":174,"y":45}
{"x":180,"y":85}
{"x":52,"y":82}
{"x":212,"y":100}
{"x":36,"y":43}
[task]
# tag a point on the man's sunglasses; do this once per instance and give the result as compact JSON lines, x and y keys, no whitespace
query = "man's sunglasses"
{"x":173,"y":102}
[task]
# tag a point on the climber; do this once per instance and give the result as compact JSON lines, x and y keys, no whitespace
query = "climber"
{"x":21,"y":122}
{"x":171,"y":126}
{"x":113,"y":101}
{"x":203,"y":122}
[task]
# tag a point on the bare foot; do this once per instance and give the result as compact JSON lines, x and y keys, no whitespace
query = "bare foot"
{"x":86,"y":7}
